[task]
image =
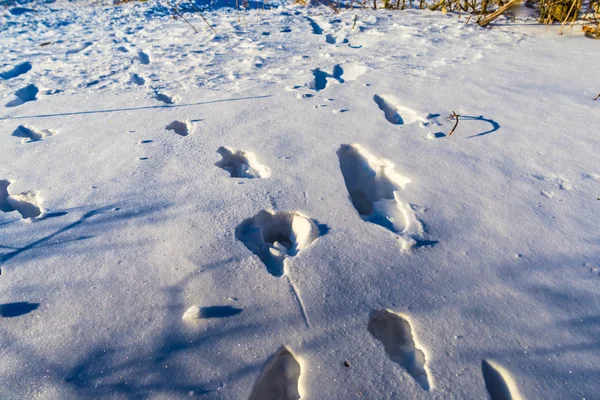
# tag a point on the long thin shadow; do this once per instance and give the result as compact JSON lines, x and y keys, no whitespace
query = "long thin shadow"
{"x":135,"y":108}
{"x":10,"y":310}
{"x":495,"y":125}
{"x":8,"y":256}
{"x":219,"y":311}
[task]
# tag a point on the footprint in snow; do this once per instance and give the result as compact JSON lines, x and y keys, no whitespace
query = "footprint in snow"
{"x":394,"y":112}
{"x":395,"y":332}
{"x":16,"y":71}
{"x":166,"y":98}
{"x":31,"y":134}
{"x":143,"y":58}
{"x":279,"y":378}
{"x":241,"y":164}
{"x":321,"y":78}
{"x":28,"y":93}
{"x":498,"y":382}
{"x":374,"y":188}
{"x":274,"y":236}
{"x":27,"y":203}
{"x":181,"y":128}
{"x":137,"y":79}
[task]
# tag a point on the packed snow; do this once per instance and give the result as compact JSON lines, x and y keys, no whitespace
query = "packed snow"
{"x":274,"y":207}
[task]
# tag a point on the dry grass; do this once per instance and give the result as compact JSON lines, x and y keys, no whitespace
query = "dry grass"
{"x":485,"y":11}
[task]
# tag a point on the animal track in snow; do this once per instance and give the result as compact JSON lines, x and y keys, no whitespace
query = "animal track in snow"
{"x":394,"y":112}
{"x":498,"y":382}
{"x":273,"y":236}
{"x":395,"y":332}
{"x":143,"y":57}
{"x":240,"y":164}
{"x":180,"y":128}
{"x":27,"y":203}
{"x":28,"y":93}
{"x":374,"y":187}
{"x":320,"y":77}
{"x":31,"y":134}
{"x":279,"y":378}
{"x":16,"y":71}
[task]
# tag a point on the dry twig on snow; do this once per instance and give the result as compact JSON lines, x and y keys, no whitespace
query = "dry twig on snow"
{"x":454,"y":115}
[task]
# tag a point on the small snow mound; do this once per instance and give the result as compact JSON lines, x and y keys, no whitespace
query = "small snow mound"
{"x":192,"y":314}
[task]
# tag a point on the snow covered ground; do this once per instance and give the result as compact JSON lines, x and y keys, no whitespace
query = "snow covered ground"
{"x":278,"y":207}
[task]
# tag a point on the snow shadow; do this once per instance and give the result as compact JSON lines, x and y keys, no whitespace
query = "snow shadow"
{"x":10,"y":310}
{"x":159,"y":9}
{"x":494,"y":124}
{"x":66,"y":114}
{"x":92,"y":223}
{"x":102,"y":371}
{"x":219,"y":311}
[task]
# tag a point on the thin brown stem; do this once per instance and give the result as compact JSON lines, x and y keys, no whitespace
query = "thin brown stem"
{"x":454,"y":116}
{"x":199,"y":13}
{"x":176,"y":11}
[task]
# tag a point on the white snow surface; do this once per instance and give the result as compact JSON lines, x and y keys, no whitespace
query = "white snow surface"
{"x":139,"y":224}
